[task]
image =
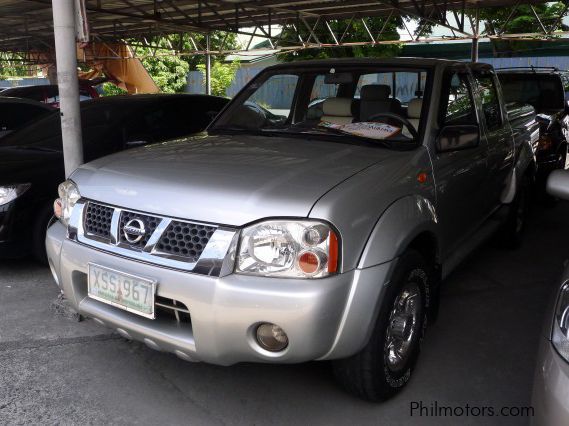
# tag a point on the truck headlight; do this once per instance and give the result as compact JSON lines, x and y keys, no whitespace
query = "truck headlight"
{"x":560,"y":337}
{"x":11,"y":192}
{"x":301,"y":249}
{"x":68,"y":197}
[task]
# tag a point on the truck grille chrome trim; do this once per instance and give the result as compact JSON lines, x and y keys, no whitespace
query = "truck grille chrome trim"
{"x":179,"y":244}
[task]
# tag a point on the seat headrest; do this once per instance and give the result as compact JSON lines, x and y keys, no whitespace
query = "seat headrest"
{"x":414,"y":108}
{"x":340,"y":107}
{"x":375,"y":92}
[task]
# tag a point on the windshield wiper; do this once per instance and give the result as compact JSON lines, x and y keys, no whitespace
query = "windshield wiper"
{"x":244,"y":130}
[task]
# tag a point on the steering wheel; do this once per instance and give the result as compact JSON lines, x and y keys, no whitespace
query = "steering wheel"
{"x":397,"y":117}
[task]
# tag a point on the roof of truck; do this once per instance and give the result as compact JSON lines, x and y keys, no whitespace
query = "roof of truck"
{"x":418,"y":62}
{"x":530,"y":70}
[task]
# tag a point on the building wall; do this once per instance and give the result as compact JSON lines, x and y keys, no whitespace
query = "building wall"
{"x":560,"y":62}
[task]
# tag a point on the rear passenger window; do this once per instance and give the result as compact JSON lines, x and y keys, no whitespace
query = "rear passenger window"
{"x":458,"y":105}
{"x":490,"y":103}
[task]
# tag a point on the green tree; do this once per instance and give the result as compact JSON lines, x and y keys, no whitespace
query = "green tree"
{"x":110,"y":89}
{"x":222,"y":75}
{"x":168,"y":72}
{"x":11,"y":66}
{"x":169,"y":68}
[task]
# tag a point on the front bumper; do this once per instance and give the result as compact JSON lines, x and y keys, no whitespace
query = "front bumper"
{"x":550,"y":397}
{"x":324,"y":318}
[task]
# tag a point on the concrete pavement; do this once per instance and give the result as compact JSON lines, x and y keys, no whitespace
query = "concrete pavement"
{"x":481,"y":352}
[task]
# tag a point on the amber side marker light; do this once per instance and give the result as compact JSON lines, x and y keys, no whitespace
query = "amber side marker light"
{"x":333,"y":253}
{"x":422,"y":177}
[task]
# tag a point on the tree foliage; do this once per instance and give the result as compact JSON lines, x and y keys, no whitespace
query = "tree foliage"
{"x":168,"y":72}
{"x":110,"y":89}
{"x":11,"y":66}
{"x":169,"y":69}
{"x":222,"y":75}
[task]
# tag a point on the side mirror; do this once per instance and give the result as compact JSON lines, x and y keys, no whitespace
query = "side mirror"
{"x":457,"y":137}
{"x":558,"y":184}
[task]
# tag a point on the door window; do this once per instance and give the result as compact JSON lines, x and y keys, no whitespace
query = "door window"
{"x":457,"y":102}
{"x":489,"y":97}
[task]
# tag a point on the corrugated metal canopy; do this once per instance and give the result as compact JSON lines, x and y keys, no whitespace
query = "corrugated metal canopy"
{"x":27,"y":25}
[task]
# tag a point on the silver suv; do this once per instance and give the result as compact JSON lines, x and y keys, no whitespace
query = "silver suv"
{"x":314,"y":221}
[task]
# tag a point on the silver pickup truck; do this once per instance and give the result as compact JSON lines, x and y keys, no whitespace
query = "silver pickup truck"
{"x":314,"y":221}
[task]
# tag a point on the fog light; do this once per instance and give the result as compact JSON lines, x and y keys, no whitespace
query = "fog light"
{"x":271,"y":337}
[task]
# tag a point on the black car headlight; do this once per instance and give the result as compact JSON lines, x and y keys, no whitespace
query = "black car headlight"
{"x":11,"y":192}
{"x":560,"y":335}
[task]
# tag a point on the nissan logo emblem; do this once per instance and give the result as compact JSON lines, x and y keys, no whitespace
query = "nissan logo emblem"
{"x":134,"y":231}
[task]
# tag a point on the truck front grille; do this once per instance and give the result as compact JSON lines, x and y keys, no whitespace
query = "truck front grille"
{"x":98,"y":220}
{"x":162,"y":240}
{"x":186,"y":240}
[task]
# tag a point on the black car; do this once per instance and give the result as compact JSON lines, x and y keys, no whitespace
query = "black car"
{"x":49,"y":93}
{"x":31,"y":159}
{"x":16,"y":112}
{"x":547,"y":90}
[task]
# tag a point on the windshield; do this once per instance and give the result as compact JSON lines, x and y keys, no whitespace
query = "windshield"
{"x":542,"y":91}
{"x":375,"y":104}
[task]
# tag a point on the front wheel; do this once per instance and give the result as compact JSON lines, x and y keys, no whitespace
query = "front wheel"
{"x":385,"y":364}
{"x":39,"y":232}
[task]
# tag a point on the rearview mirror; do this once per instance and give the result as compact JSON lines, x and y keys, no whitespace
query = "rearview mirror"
{"x":558,"y":184}
{"x":457,"y":137}
{"x":339,"y":78}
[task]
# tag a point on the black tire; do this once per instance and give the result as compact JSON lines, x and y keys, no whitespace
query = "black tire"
{"x":370,"y":374}
{"x":40,"y":229}
{"x":512,"y":231}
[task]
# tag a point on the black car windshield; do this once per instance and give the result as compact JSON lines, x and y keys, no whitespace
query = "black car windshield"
{"x":377,"y":104}
{"x":542,"y":91}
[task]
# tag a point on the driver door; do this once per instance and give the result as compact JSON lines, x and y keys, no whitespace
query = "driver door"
{"x":460,"y":172}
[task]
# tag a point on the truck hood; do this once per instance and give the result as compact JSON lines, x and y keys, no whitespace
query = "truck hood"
{"x":221,"y":179}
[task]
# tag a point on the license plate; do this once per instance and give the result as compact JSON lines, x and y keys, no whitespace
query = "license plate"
{"x":125,"y":291}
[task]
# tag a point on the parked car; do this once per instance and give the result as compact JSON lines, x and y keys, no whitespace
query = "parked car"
{"x":49,"y":93}
{"x":16,"y":112}
{"x":551,"y":384}
{"x":546,"y":89}
{"x":292,"y":239}
{"x":31,"y":160}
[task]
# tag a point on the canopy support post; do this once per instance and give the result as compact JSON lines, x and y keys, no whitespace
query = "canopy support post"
{"x":66,"y":62}
{"x":475,"y":30}
{"x":207,"y":65}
